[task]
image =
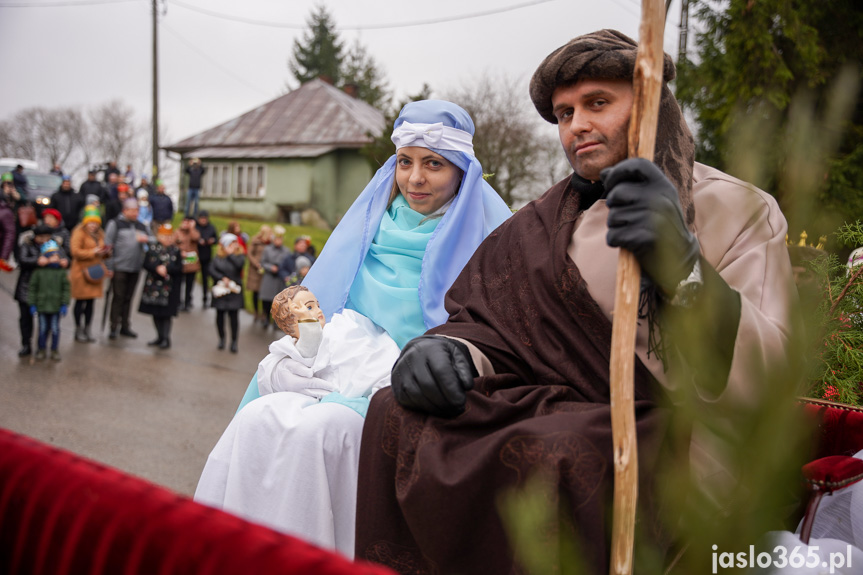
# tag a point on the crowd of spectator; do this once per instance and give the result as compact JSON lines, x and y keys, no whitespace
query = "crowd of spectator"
{"x":99,"y":241}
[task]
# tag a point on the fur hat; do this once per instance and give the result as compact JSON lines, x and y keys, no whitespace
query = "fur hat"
{"x":165,"y":230}
{"x":610,"y":55}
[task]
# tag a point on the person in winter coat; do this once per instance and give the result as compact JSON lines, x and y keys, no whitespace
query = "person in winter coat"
{"x":227,"y":272}
{"x":160,"y":297}
{"x":163,"y":206}
{"x":28,"y":257}
{"x":196,"y":172}
{"x":8,"y":223}
{"x":93,"y":187}
{"x":258,"y":244}
{"x":88,"y":249}
{"x":273,"y":283}
{"x":128,"y":238}
{"x":48,"y":296}
{"x":187,"y":240}
{"x":145,"y":211}
{"x":68,"y":202}
{"x":59,"y":232}
{"x":205,"y":251}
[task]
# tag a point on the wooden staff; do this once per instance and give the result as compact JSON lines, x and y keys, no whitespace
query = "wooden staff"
{"x":647,"y":87}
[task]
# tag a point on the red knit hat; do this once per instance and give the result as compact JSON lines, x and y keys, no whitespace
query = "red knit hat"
{"x":52,"y":212}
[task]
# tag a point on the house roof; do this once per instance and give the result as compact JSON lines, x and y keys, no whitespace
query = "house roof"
{"x":308,"y":122}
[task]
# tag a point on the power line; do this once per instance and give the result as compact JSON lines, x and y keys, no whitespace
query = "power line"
{"x":61,"y":4}
{"x":303,"y":26}
{"x":204,"y":55}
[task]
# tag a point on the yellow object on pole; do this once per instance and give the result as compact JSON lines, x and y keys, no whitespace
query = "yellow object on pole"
{"x":647,"y":85}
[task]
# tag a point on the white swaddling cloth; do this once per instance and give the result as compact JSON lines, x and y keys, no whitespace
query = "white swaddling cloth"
{"x":355,"y":358}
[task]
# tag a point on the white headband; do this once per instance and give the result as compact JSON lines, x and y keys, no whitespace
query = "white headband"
{"x":433,"y":136}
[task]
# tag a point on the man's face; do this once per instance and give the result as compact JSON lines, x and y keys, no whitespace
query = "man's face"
{"x":66,"y":185}
{"x":131,"y":213}
{"x":593,"y":121}
{"x":203,"y":220}
{"x":112,"y":178}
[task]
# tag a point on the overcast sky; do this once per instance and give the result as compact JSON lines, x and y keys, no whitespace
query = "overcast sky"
{"x":212,"y":69}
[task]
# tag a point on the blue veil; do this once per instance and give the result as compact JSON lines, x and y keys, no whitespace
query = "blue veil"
{"x":476,"y":210}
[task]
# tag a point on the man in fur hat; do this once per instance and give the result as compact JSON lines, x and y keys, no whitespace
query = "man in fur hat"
{"x":517,"y":381}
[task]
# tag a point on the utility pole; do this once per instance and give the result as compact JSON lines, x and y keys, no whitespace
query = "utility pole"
{"x":155,"y":167}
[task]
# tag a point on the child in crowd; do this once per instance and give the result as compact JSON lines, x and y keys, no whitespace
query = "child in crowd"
{"x":49,"y":296}
{"x":145,"y":210}
{"x":303,"y":264}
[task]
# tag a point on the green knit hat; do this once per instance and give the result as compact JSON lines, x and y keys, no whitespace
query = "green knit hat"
{"x":91,"y":214}
{"x":7,"y":177}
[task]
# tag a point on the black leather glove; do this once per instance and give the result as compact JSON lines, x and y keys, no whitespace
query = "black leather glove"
{"x":433,"y":374}
{"x":644,"y":217}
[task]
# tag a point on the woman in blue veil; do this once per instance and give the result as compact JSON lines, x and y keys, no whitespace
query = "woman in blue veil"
{"x":290,"y":461}
{"x":405,"y":295}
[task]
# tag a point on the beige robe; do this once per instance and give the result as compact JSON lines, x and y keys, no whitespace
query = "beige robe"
{"x":742,"y":235}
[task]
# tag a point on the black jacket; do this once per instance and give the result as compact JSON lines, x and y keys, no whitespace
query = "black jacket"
{"x":205,"y":247}
{"x":163,"y":207}
{"x":195,"y":174}
{"x":95,"y":188}
{"x":69,"y":204}
{"x":232,"y":268}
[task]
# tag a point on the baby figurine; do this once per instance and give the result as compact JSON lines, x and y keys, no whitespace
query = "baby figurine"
{"x":295,"y":311}
{"x":345,"y":360}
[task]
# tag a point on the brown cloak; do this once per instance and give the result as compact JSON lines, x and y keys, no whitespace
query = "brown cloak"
{"x":428,"y":487}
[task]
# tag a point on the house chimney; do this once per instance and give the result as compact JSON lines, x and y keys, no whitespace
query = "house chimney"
{"x":351,"y":90}
{"x":325,"y":78}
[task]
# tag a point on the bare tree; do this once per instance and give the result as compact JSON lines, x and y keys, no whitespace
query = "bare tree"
{"x":20,"y":134}
{"x":507,"y":139}
{"x":61,"y":133}
{"x":113,"y":128}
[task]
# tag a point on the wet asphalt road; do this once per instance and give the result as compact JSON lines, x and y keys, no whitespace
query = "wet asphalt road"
{"x":153,"y":413}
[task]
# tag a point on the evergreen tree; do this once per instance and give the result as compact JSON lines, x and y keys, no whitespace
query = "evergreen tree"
{"x":752,"y":60}
{"x":361,"y":69}
{"x":320,"y":52}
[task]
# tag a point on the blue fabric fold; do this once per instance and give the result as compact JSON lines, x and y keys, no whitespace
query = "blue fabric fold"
{"x":358,"y":404}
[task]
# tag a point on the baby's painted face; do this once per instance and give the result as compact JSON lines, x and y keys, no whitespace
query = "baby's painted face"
{"x":304,"y":305}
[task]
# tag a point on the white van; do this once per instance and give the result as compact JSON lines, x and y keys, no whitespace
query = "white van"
{"x":9,"y":164}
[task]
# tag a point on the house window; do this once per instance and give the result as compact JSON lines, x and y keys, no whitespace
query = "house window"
{"x":216,"y":182}
{"x":251,"y":180}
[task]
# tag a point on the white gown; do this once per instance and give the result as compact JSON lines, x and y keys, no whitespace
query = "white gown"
{"x":289,"y":461}
{"x":836,"y":543}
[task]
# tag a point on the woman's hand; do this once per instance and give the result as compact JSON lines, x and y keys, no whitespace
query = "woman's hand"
{"x":162,"y":271}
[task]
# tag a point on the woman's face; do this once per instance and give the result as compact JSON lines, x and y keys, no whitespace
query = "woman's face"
{"x":91,"y":227}
{"x":426,"y":179}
